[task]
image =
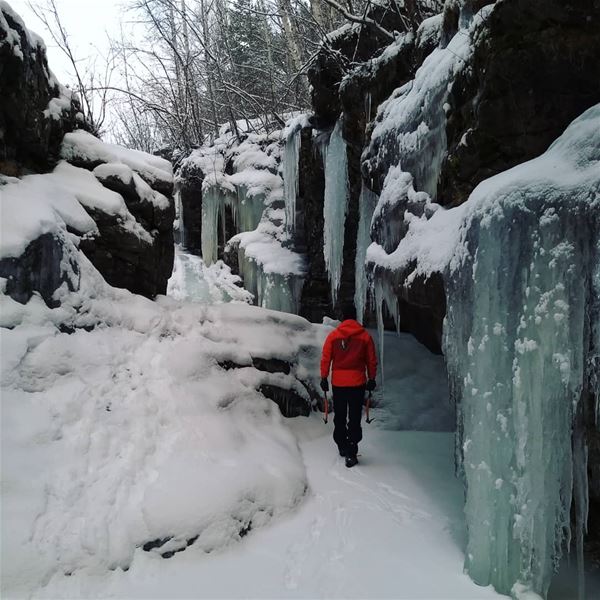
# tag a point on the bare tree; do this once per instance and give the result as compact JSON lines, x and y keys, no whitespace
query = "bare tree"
{"x":92,"y":75}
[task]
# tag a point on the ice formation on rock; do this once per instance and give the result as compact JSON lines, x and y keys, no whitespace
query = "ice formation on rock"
{"x":290,"y":160}
{"x":335,"y":206}
{"x":520,"y":353}
{"x":411,"y":125}
{"x":367,"y":203}
{"x":214,"y":200}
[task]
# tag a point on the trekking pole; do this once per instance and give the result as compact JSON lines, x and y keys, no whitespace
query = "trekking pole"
{"x":369,"y":420}
{"x":326,"y":409}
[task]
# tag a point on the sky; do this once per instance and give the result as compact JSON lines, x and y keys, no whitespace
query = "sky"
{"x":87,"y":23}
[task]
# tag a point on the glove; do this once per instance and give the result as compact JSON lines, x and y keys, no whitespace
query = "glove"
{"x":371,"y":385}
{"x":324,"y":385}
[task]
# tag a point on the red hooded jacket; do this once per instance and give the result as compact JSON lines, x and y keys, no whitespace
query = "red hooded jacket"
{"x":351,"y":350}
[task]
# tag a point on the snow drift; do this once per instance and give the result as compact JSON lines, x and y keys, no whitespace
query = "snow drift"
{"x":124,"y":430}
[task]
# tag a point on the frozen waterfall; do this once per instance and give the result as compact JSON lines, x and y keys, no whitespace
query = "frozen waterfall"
{"x":246,"y":210}
{"x":335,"y":207}
{"x":214,"y":200}
{"x":367,"y":203}
{"x":521,"y":344}
{"x":291,"y":156}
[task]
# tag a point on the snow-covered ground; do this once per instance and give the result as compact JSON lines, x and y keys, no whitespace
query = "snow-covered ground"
{"x":128,"y":434}
{"x":133,"y":464}
{"x":392,"y":527}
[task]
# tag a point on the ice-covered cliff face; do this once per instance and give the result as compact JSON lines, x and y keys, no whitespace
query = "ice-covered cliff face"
{"x":504,"y":80}
{"x":234,"y":206}
{"x":522,"y":347}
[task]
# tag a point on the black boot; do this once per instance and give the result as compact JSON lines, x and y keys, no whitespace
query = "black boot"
{"x":351,"y":460}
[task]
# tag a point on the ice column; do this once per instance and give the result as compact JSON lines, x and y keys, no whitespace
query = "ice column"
{"x":516,"y":338}
{"x":248,"y":210}
{"x":214,"y":200}
{"x":276,"y":291}
{"x":291,"y":157}
{"x":367,"y":203}
{"x":335,"y":207}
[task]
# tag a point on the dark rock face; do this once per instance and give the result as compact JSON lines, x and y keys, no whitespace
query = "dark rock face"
{"x":289,"y":401}
{"x":368,"y":81}
{"x":44,"y":266}
{"x":189,"y":186}
{"x":529,"y":76}
{"x":124,"y":259}
{"x":127,"y":261}
{"x":534,"y":71}
{"x":315,"y":302}
{"x":352,"y":46}
{"x":29,"y":140}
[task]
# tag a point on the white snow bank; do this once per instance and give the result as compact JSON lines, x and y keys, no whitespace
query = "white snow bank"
{"x":35,"y":205}
{"x":130,"y":433}
{"x":83,"y":146}
{"x":249,"y":154}
{"x":256,"y":182}
{"x":370,"y":532}
{"x":267,"y":251}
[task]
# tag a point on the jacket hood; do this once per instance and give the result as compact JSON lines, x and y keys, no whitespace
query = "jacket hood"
{"x":349,"y":327}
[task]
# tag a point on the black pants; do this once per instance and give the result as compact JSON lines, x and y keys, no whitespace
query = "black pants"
{"x":347,"y":406}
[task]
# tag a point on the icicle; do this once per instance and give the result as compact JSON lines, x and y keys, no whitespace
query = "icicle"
{"x":367,"y":203}
{"x":291,"y":156}
{"x":580,"y":493}
{"x":380,"y":328}
{"x":368,"y":102}
{"x":594,"y":359}
{"x":179,"y":217}
{"x":335,"y":207}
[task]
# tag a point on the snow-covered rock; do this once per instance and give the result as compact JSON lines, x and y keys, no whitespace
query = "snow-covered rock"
{"x":82,"y":149}
{"x":126,"y":430}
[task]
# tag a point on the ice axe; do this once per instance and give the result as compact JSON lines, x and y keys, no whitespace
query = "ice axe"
{"x":326,"y":406}
{"x":368,"y":419}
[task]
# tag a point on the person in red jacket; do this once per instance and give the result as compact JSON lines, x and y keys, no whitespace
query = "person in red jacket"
{"x":349,"y":352}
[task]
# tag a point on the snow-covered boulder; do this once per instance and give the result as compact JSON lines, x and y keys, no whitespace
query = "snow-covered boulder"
{"x":125,"y":436}
{"x":121,"y":215}
{"x":82,"y":149}
{"x":132,"y":249}
{"x":139,"y":263}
